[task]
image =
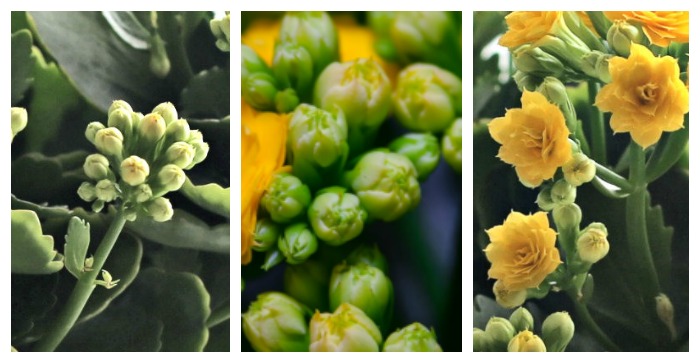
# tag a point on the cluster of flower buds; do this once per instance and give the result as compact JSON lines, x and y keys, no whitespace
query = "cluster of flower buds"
{"x":221,"y":28}
{"x":140,"y":159}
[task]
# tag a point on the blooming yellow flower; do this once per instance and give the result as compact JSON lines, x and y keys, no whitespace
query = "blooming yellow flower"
{"x":661,"y":27}
{"x":534,"y":139}
{"x":526,"y":27}
{"x":646,"y":95}
{"x":522,"y":251}
{"x":263,"y":140}
{"x":526,"y":341}
{"x":260,"y":36}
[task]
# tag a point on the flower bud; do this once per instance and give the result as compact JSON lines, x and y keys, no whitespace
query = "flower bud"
{"x":120,"y":104}
{"x":544,"y":198}
{"x":508,"y":299}
{"x":348,"y":329}
{"x":308,"y":283}
{"x":526,"y":341}
{"x":592,"y":244}
{"x":122,"y":120}
{"x":171,"y":177}
{"x":567,"y":216}
{"x":259,"y":90}
{"x":452,"y":145}
{"x":621,"y":34}
{"x":563,"y":193}
{"x":336,"y":216}
{"x":286,"y":198}
{"x":482,"y":341}
{"x":412,"y":338}
{"x":178,"y":130}
{"x":500,"y":331}
{"x":522,"y":320}
{"x":142,"y":193}
{"x":160,"y":209}
{"x":557,"y":331}
{"x":286,"y":100}
{"x":365,"y":287}
{"x":109,"y":141}
{"x":167,"y":111}
{"x":422,"y":149}
{"x":537,"y":62}
{"x":266,"y":234}
{"x":96,"y":167}
{"x":293,"y":67}
{"x":180,"y":154}
{"x":152,"y":127}
{"x":159,"y":62}
{"x":201,"y":149}
{"x":92,"y":129}
{"x":18,"y":121}
{"x":87,"y":192}
{"x":664,"y":310}
{"x":595,"y":64}
{"x":580,"y":169}
{"x":386,"y":184}
{"x":314,"y":31}
{"x":526,"y":81}
{"x":221,"y":28}
{"x":555,"y":92}
{"x":106,"y":190}
{"x":297,"y":243}
{"x":276,"y":323}
{"x":134,"y":170}
{"x":370,"y":255}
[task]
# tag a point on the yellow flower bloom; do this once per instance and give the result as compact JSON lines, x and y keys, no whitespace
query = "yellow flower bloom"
{"x":534,"y":139}
{"x":646,"y":95}
{"x":661,"y":27}
{"x":526,"y":341}
{"x":526,"y":27}
{"x":260,"y":36}
{"x":522,"y":251}
{"x":264,"y":136}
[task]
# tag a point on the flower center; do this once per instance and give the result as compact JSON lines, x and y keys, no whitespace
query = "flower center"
{"x":647,"y":93}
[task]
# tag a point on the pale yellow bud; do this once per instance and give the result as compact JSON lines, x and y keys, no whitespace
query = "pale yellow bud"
{"x":508,"y":299}
{"x":96,"y":167}
{"x":168,"y":111}
{"x":592,"y":243}
{"x":171,"y":177}
{"x":180,"y":154}
{"x":106,"y":191}
{"x":580,"y":169}
{"x":109,"y":141}
{"x":160,"y":209}
{"x":152,"y":127}
{"x":526,"y":341}
{"x":134,"y":170}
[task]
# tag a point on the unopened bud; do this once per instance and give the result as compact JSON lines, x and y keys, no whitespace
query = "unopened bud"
{"x":171,"y":177}
{"x":266,"y":234}
{"x":201,"y":149}
{"x":567,"y":216}
{"x":621,"y":34}
{"x":522,"y":319}
{"x":544,"y":198}
{"x":595,"y":64}
{"x":180,"y":154}
{"x":592,"y":244}
{"x":96,"y":167}
{"x":109,"y":141}
{"x":152,"y":127}
{"x":580,"y":169}
{"x":87,"y":192}
{"x":167,"y":111}
{"x":106,"y":191}
{"x":482,"y":341}
{"x":500,"y":331}
{"x":563,"y":193}
{"x":134,"y":170}
{"x":508,"y":298}
{"x":143,"y":193}
{"x":91,"y":130}
{"x":664,"y":310}
{"x":526,"y":341}
{"x":18,"y":120}
{"x":122,"y":120}
{"x":557,"y":331}
{"x":160,"y":209}
{"x":178,"y":130}
{"x":120,"y":104}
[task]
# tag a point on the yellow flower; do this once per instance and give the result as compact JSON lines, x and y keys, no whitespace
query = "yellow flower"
{"x":260,"y":36}
{"x":264,"y":136}
{"x":661,"y":27}
{"x":526,"y":341}
{"x":522,"y":251}
{"x":646,"y":95}
{"x":534,"y":139}
{"x":526,"y":27}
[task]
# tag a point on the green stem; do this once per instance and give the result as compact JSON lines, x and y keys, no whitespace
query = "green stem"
{"x":584,"y":316}
{"x":219,"y":316}
{"x":82,"y":291}
{"x":612,"y":177}
{"x":598,"y":147}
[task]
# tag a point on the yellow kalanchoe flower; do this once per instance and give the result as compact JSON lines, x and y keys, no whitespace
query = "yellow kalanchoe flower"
{"x":522,"y":251}
{"x":661,"y":27}
{"x":526,"y":341}
{"x":646,"y":95}
{"x":528,"y":27}
{"x":264,"y":136}
{"x":534,"y":139}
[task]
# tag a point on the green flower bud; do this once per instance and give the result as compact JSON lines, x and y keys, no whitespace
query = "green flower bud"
{"x":386,"y":184}
{"x":308,"y":283}
{"x":286,"y":198}
{"x":276,"y":323}
{"x":286,"y":100}
{"x":134,"y":170}
{"x":621,"y":34}
{"x":368,"y":254}
{"x":152,"y":127}
{"x":500,"y":331}
{"x":142,"y":193}
{"x":362,"y":90}
{"x":555,"y":91}
{"x":522,"y":320}
{"x":567,"y":216}
{"x":109,"y":141}
{"x":592,"y":244}
{"x":180,"y":154}
{"x":537,"y":62}
{"x":120,"y":105}
{"x":201,"y":149}
{"x":97,"y":206}
{"x":167,"y":111}
{"x":557,"y":331}
{"x":96,"y":167}
{"x":159,"y":62}
{"x":87,"y":192}
{"x":348,"y":329}
{"x":160,"y":209}
{"x":336,"y":216}
{"x":526,"y":341}
{"x":293,"y":67}
{"x":18,"y":120}
{"x":259,"y":90}
{"x":297,"y":243}
{"x":563,"y":193}
{"x":427,"y":98}
{"x":266,"y":234}
{"x":665,"y":312}
{"x":171,"y":177}
{"x":365,"y":287}
{"x":544,"y":198}
{"x":106,"y":190}
{"x":422,"y":149}
{"x":526,"y":81}
{"x":178,"y":131}
{"x":508,"y":299}
{"x":122,"y":120}
{"x":580,"y":169}
{"x":221,"y":28}
{"x":92,"y":129}
{"x":314,"y":31}
{"x":412,"y":338}
{"x":595,"y":64}
{"x":482,"y":341}
{"x":452,"y":145}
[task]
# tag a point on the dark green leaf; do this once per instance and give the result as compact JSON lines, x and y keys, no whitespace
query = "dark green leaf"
{"x":207,"y":95}
{"x":22,"y":64}
{"x":128,"y":27}
{"x":32,"y":297}
{"x":40,"y":178}
{"x":219,"y":338}
{"x":32,"y":251}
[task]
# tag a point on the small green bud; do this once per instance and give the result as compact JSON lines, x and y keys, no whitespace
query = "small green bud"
{"x":336,"y":216}
{"x":92,"y":129}
{"x":18,"y":120}
{"x":665,"y":312}
{"x":109,"y":141}
{"x":522,"y":319}
{"x":96,"y":167}
{"x":266,"y":234}
{"x":259,"y":90}
{"x":159,"y":62}
{"x":160,"y":209}
{"x":507,"y":298}
{"x":592,"y":244}
{"x":286,"y":100}
{"x":171,"y":177}
{"x":316,"y":136}
{"x":365,"y":287}
{"x":544,"y":198}
{"x":120,"y":104}
{"x":180,"y":154}
{"x":369,"y":254}
{"x":555,"y":91}
{"x":97,"y":206}
{"x":567,"y":216}
{"x":526,"y":341}
{"x":412,"y":338}
{"x":134,"y":170}
{"x":106,"y":190}
{"x":621,"y":34}
{"x":557,"y":331}
{"x":452,"y":145}
{"x":167,"y":111}
{"x":122,"y":120}
{"x":276,"y":323}
{"x":293,"y":67}
{"x":152,"y":127}
{"x":482,"y":341}
{"x":143,"y":193}
{"x":537,"y":62}
{"x":107,"y":281}
{"x":308,"y":283}
{"x":178,"y":130}
{"x":314,"y":31}
{"x":563,"y":193}
{"x":580,"y":169}
{"x":286,"y":198}
{"x":500,"y":331}
{"x":201,"y":149}
{"x":422,"y":149}
{"x":347,"y":329}
{"x":297,"y":243}
{"x":87,"y":192}
{"x":595,"y":64}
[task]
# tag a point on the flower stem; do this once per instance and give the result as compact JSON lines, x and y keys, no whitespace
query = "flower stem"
{"x":612,"y":177}
{"x":598,"y":147}
{"x":82,"y":290}
{"x":585,"y":317}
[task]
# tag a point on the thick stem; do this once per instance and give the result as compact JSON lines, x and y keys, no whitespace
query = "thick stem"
{"x":612,"y":177}
{"x":598,"y":144}
{"x":82,"y":291}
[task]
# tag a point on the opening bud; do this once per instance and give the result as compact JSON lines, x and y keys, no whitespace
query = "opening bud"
{"x":180,"y":154}
{"x":297,"y":243}
{"x":276,"y":323}
{"x":336,"y":216}
{"x":507,"y":298}
{"x":134,"y":170}
{"x":171,"y":177}
{"x":592,"y":244}
{"x":347,"y":329}
{"x":106,"y":190}
{"x":167,"y":111}
{"x":109,"y":141}
{"x":87,"y":192}
{"x":557,"y":331}
{"x":160,"y":209}
{"x":221,"y":28}
{"x":96,"y":167}
{"x":412,"y":338}
{"x":526,"y":341}
{"x":580,"y":169}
